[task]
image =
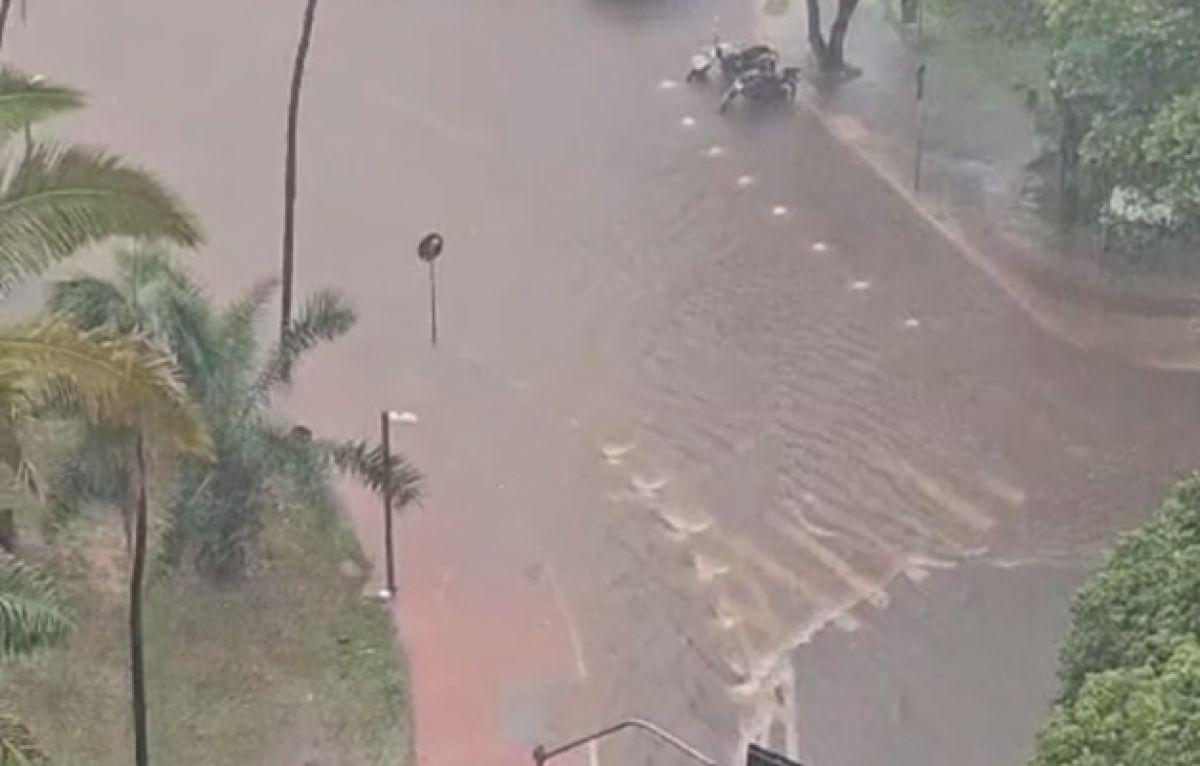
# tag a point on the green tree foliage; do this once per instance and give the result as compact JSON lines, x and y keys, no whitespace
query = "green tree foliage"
{"x":1125,"y":73}
{"x":261,"y":460}
{"x":1143,"y":599}
{"x":31,"y":616}
{"x":1130,"y":666}
{"x":56,"y":200}
{"x":1137,"y":715}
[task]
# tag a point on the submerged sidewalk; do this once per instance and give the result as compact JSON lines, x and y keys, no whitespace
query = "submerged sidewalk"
{"x":493,"y":660}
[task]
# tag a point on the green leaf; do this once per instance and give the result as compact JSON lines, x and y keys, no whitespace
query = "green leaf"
{"x":106,"y":378}
{"x":31,"y":616}
{"x":324,"y":317}
{"x":26,"y":100}
{"x":59,"y":200}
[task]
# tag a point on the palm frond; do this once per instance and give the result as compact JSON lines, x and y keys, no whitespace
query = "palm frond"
{"x":325,"y":316}
{"x":26,"y":100}
{"x":31,"y":616}
{"x":238,"y":329}
{"x":107,"y":378}
{"x":12,"y":449}
{"x":91,"y":303}
{"x":393,"y":476}
{"x":59,"y":200}
{"x":17,"y":744}
{"x":245,"y":311}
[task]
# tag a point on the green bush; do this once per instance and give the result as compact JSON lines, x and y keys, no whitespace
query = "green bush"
{"x":1130,"y":665}
{"x":1145,"y":597}
{"x":1131,"y":716}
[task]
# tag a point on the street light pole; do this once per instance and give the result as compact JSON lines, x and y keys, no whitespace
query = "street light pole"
{"x":541,"y":755}
{"x":385,"y":440}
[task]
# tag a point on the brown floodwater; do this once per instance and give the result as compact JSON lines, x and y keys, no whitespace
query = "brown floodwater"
{"x":806,"y":475}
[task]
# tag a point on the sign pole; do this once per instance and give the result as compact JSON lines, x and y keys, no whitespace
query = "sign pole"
{"x":428,"y":249}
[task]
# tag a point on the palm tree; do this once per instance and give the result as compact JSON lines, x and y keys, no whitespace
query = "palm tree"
{"x":261,"y":460}
{"x":288,"y":268}
{"x":56,"y":200}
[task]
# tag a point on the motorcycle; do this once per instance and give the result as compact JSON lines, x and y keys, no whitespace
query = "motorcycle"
{"x":763,"y":85}
{"x":734,"y":60}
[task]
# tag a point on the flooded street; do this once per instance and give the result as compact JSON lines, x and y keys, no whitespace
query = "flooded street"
{"x":799,"y":471}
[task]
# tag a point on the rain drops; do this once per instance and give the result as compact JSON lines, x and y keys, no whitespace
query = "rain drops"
{"x":779,"y":211}
{"x":688,"y":122}
{"x":744,"y":181}
{"x":819,"y":247}
{"x":861,"y":285}
{"x":912,"y":323}
{"x":668,"y":85}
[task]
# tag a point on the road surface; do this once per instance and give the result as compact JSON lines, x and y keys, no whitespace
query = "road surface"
{"x":720,"y":431}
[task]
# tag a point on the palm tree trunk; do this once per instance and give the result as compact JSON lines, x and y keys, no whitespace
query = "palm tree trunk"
{"x":5,"y":7}
{"x":137,"y":667}
{"x":288,"y":270}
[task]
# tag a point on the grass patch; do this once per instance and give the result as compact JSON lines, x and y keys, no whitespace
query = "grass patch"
{"x":291,"y":667}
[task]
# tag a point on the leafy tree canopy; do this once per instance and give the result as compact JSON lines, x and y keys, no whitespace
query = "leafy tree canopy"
{"x":1127,"y":69}
{"x":1144,"y":599}
{"x":1139,"y":715}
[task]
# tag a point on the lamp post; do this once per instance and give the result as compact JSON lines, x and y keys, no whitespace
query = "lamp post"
{"x":386,"y":418}
{"x":428,"y":249}
{"x":541,"y":755}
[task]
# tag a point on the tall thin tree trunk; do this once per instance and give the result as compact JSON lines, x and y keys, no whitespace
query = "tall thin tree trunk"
{"x":5,"y":7}
{"x":835,"y":58}
{"x":816,"y":40}
{"x":137,"y":667}
{"x":288,"y":270}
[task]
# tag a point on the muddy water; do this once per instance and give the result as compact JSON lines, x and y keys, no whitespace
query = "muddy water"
{"x":806,"y":475}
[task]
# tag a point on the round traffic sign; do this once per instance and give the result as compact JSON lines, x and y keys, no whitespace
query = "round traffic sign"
{"x":430,"y":247}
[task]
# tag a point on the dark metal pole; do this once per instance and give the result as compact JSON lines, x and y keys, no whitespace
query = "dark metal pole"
{"x":920,"y":149}
{"x":432,"y":304}
{"x":385,"y":439}
{"x":541,"y":754}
